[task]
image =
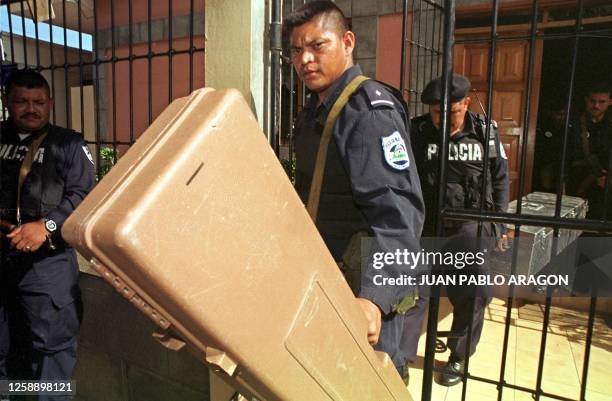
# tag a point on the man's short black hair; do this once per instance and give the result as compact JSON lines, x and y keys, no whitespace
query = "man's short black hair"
{"x":312,"y":10}
{"x":599,"y":86}
{"x":26,"y":78}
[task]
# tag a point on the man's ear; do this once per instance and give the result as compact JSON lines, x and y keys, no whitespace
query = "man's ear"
{"x":468,"y":101}
{"x":348,"y":39}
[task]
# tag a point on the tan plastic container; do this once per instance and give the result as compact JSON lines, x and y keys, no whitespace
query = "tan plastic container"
{"x":199,"y":227}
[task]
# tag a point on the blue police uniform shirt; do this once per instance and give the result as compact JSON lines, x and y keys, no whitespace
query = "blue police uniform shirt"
{"x":370,"y":177}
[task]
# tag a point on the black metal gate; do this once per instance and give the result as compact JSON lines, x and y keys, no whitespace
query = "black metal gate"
{"x":428,"y":41}
{"x":112,"y":65}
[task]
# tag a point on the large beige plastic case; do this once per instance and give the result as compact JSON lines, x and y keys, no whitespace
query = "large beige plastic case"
{"x":199,"y":227}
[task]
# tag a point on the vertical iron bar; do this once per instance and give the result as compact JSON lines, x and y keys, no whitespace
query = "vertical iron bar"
{"x":150,"y":61}
{"x":526,"y":116}
{"x":131,"y":69}
{"x":546,"y":320}
{"x":114,"y":75}
{"x":170,"y":50}
{"x":191,"y":15}
{"x":52,"y":63}
{"x":433,"y":47}
{"x":608,"y":182}
{"x":468,"y":346}
{"x":568,"y":109}
{"x":97,"y":92}
{"x":438,"y":64}
{"x":508,"y":319}
{"x":275,"y":70}
{"x":434,"y":302}
{"x":559,"y":198}
{"x":24,"y":36}
{"x":292,"y":99}
{"x":587,"y":346}
{"x":291,"y":112}
{"x":36,"y":41}
{"x":412,"y":84}
{"x":66,"y":78}
{"x":80,"y":29}
{"x":425,"y":16}
{"x":416,"y":62}
{"x":488,"y":117}
{"x":403,"y":49}
{"x":11,"y":39}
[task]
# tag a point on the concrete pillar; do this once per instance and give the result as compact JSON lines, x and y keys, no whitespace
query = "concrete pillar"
{"x":236,"y":55}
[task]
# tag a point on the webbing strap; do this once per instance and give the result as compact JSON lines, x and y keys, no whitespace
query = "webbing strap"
{"x":26,"y":165}
{"x":314,"y":196}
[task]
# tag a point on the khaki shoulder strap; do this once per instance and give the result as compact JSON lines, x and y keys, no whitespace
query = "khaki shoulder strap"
{"x":26,"y":165}
{"x":314,"y":196}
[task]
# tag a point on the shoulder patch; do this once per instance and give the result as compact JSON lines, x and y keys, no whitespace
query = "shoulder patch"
{"x":395,"y":151}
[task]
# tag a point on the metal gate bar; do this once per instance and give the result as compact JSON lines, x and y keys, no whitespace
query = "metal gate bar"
{"x":445,"y":109}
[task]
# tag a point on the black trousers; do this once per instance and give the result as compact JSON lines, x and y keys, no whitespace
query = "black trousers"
{"x":399,"y":336}
{"x":469,"y":302}
{"x":413,"y":323}
{"x":39,"y":316}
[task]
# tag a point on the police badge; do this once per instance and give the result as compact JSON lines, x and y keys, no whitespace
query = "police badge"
{"x":395,"y":151}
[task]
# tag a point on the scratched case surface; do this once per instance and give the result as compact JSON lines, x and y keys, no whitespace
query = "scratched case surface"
{"x":199,"y":227}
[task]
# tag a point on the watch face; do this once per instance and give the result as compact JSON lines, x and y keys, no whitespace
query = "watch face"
{"x":51,"y":226}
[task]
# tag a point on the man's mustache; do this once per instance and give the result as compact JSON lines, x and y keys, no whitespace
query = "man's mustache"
{"x":28,"y":115}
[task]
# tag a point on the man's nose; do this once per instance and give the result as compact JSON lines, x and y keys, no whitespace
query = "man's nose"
{"x":306,"y":57}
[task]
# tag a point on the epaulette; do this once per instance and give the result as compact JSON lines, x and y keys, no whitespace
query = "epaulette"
{"x":378,"y":95}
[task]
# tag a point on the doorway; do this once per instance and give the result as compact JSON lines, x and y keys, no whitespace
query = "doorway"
{"x":593,"y":64}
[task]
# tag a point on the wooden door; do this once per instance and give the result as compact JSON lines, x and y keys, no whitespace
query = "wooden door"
{"x":509,"y":95}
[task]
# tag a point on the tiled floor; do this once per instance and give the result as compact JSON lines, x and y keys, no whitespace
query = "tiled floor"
{"x":563,"y":362}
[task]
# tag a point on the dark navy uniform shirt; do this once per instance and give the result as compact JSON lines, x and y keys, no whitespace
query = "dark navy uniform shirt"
{"x":370,"y":180}
{"x":465,"y":165}
{"x":73,"y":166}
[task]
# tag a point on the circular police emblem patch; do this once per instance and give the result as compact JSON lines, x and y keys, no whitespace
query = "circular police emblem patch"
{"x":395,"y":151}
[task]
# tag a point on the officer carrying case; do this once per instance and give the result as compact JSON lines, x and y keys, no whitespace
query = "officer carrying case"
{"x":199,"y":227}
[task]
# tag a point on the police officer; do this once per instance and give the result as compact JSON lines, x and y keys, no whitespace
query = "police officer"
{"x":466,"y":158}
{"x":592,"y":137}
{"x":38,"y":275}
{"x":370,"y":181}
{"x":548,"y":145}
